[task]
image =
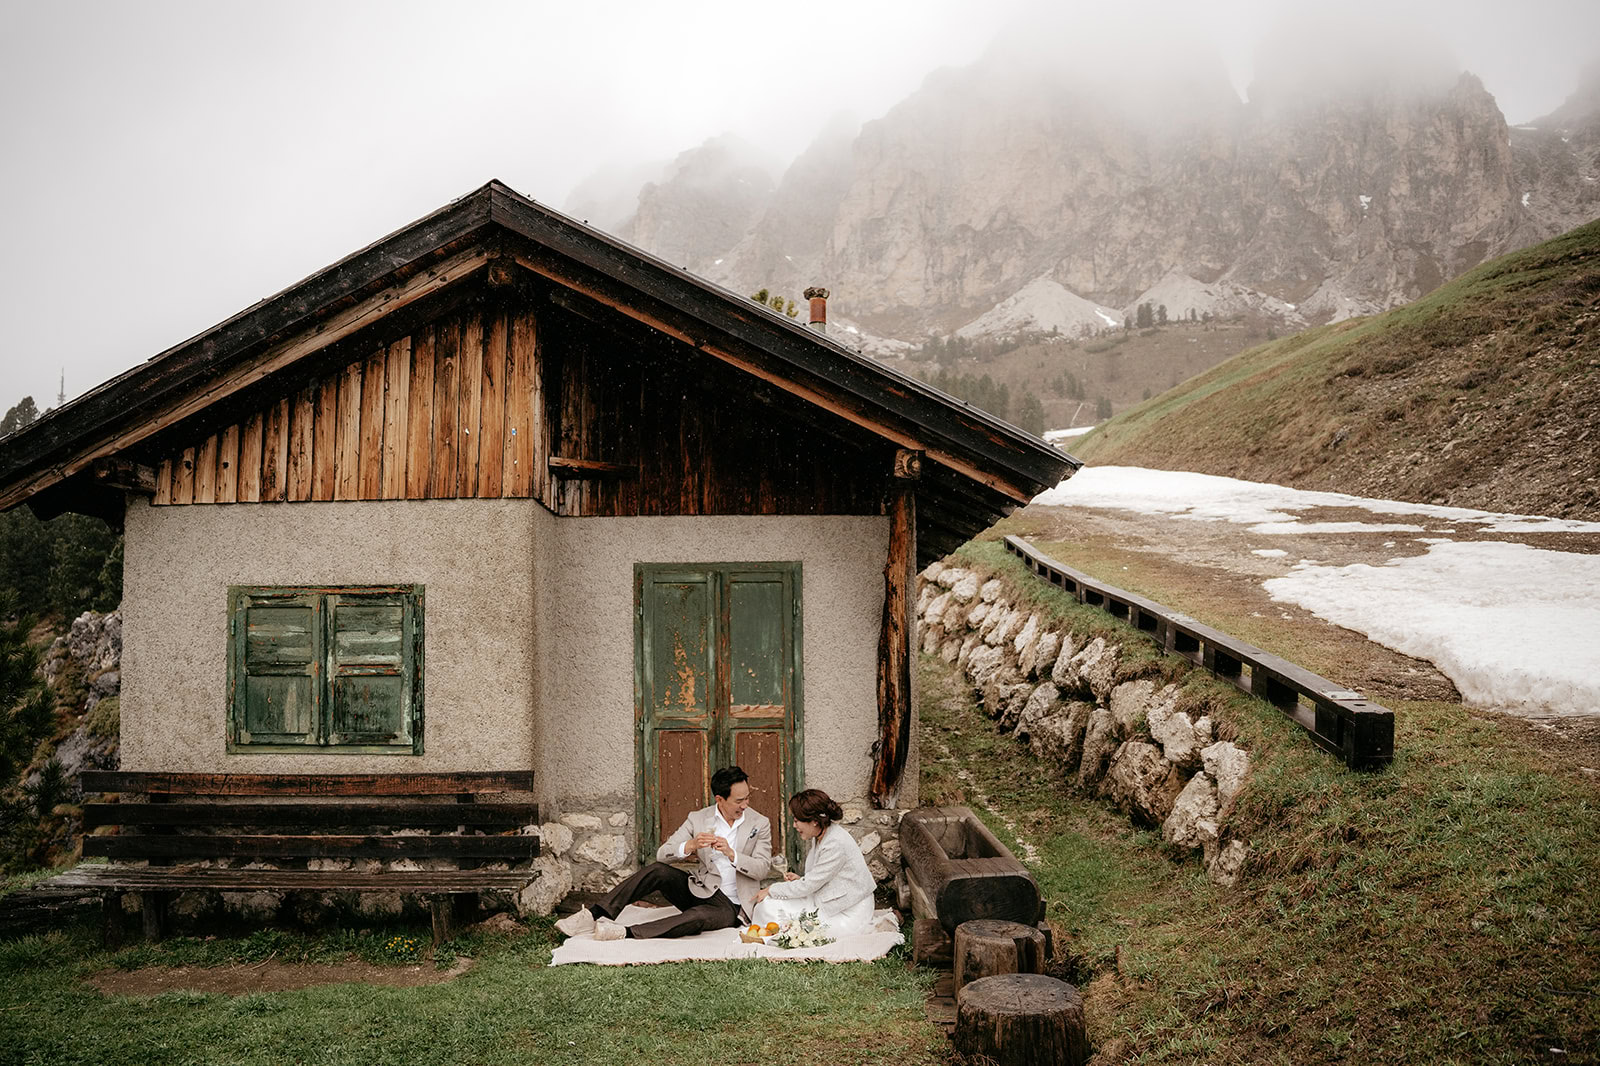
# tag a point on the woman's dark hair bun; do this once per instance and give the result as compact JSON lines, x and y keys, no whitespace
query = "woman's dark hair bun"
{"x":814,"y":805}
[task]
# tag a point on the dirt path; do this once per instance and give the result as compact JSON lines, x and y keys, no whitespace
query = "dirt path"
{"x":268,"y":976}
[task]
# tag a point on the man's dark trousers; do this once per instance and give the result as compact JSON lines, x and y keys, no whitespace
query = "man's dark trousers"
{"x":698,"y":915}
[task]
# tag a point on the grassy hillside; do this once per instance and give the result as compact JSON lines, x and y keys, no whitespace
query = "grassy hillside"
{"x":1485,"y":393}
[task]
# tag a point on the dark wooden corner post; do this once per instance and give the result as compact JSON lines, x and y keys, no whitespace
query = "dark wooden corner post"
{"x":897,"y":638}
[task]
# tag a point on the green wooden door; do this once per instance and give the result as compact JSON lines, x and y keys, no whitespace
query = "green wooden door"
{"x":717,"y":654}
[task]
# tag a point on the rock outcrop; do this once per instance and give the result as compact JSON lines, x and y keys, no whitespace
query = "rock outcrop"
{"x":1016,"y":194}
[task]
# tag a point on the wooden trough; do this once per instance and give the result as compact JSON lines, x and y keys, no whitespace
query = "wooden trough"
{"x":955,"y":871}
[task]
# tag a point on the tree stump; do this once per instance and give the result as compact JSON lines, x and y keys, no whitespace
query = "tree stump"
{"x":987,"y":947}
{"x":1021,"y":1019}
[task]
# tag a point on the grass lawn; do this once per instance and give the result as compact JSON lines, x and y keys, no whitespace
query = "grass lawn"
{"x":510,"y":1008}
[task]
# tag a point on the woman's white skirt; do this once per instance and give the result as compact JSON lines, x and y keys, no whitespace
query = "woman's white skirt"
{"x":850,"y":921}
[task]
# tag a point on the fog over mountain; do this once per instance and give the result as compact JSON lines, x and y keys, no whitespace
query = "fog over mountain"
{"x":1053,"y":176}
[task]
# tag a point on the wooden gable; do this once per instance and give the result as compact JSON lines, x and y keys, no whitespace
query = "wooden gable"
{"x":518,"y":397}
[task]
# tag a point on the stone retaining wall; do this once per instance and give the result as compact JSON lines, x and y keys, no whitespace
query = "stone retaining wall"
{"x":1124,"y":740}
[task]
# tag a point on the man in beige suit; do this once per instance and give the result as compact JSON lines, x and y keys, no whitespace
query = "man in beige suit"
{"x":731,"y":848}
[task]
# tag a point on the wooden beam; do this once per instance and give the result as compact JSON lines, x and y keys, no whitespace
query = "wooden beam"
{"x":129,"y":476}
{"x":896,"y":646}
{"x":564,"y":467}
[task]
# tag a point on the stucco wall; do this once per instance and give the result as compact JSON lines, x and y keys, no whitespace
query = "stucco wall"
{"x":472,"y":555}
{"x":586,"y":740}
{"x":529,"y":630}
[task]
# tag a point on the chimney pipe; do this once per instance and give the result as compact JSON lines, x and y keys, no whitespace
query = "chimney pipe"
{"x":819,"y":307}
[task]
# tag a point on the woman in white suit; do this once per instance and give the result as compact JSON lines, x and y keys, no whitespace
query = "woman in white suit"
{"x":836,"y":884}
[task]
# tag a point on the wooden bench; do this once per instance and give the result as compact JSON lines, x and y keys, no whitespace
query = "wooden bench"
{"x":197,"y":831}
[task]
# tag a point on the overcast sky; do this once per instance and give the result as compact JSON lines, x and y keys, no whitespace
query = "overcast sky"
{"x":166,"y":164}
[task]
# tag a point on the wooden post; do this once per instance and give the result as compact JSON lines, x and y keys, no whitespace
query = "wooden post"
{"x":986,"y":947}
{"x":897,"y":637}
{"x":1021,"y":1019}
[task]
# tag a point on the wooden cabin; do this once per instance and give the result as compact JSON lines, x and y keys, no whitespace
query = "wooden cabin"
{"x":500,"y":492}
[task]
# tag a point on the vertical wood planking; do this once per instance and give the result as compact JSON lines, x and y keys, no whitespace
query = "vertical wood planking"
{"x":469,"y":439}
{"x":396,"y":406}
{"x":492,"y":422}
{"x":419,"y":446}
{"x":228,"y":465}
{"x":691,"y":445}
{"x":275,"y":452}
{"x":517,"y":462}
{"x":302,"y":436}
{"x":446,"y":351}
{"x":205,"y":471}
{"x":369,"y":484}
{"x":163,"y":483}
{"x":325,"y":439}
{"x":566,"y":434}
{"x":538,"y":412}
{"x":347,"y":434}
{"x":250,"y":459}
{"x":183,"y":491}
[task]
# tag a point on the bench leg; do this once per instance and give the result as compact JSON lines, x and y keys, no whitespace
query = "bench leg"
{"x":443,"y":918}
{"x":153,"y":908}
{"x":111,"y":921}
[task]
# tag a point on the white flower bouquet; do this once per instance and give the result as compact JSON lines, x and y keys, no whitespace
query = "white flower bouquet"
{"x":806,"y":931}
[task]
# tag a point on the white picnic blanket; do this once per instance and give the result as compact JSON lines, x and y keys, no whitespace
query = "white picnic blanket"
{"x":722,"y":944}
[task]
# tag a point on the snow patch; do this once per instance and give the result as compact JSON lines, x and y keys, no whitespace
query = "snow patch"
{"x":1043,"y":305}
{"x":1525,"y":197}
{"x":1269,"y":553}
{"x":1180,"y":294}
{"x":1207,"y":497}
{"x":1366,"y":202}
{"x":1053,"y":435}
{"x":1511,"y":625}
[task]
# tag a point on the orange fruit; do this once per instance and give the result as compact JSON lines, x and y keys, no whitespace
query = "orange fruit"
{"x":755,"y":930}
{"x":772,"y":927}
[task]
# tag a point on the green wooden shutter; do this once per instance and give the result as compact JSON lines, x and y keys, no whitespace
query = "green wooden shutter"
{"x":675,"y":631}
{"x":758,"y":652}
{"x":276,"y":667}
{"x":371,"y":638}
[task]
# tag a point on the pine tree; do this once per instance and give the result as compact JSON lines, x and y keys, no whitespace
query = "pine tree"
{"x":1030,"y":415}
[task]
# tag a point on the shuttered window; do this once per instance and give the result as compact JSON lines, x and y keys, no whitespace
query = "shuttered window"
{"x":325,"y":668}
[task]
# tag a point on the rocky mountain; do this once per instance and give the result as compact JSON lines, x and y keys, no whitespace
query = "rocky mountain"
{"x":998,"y":194}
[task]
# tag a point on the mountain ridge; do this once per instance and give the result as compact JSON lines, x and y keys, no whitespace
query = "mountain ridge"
{"x":991,"y":177}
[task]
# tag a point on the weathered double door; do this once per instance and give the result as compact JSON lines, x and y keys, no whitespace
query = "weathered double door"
{"x":717,"y":682}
